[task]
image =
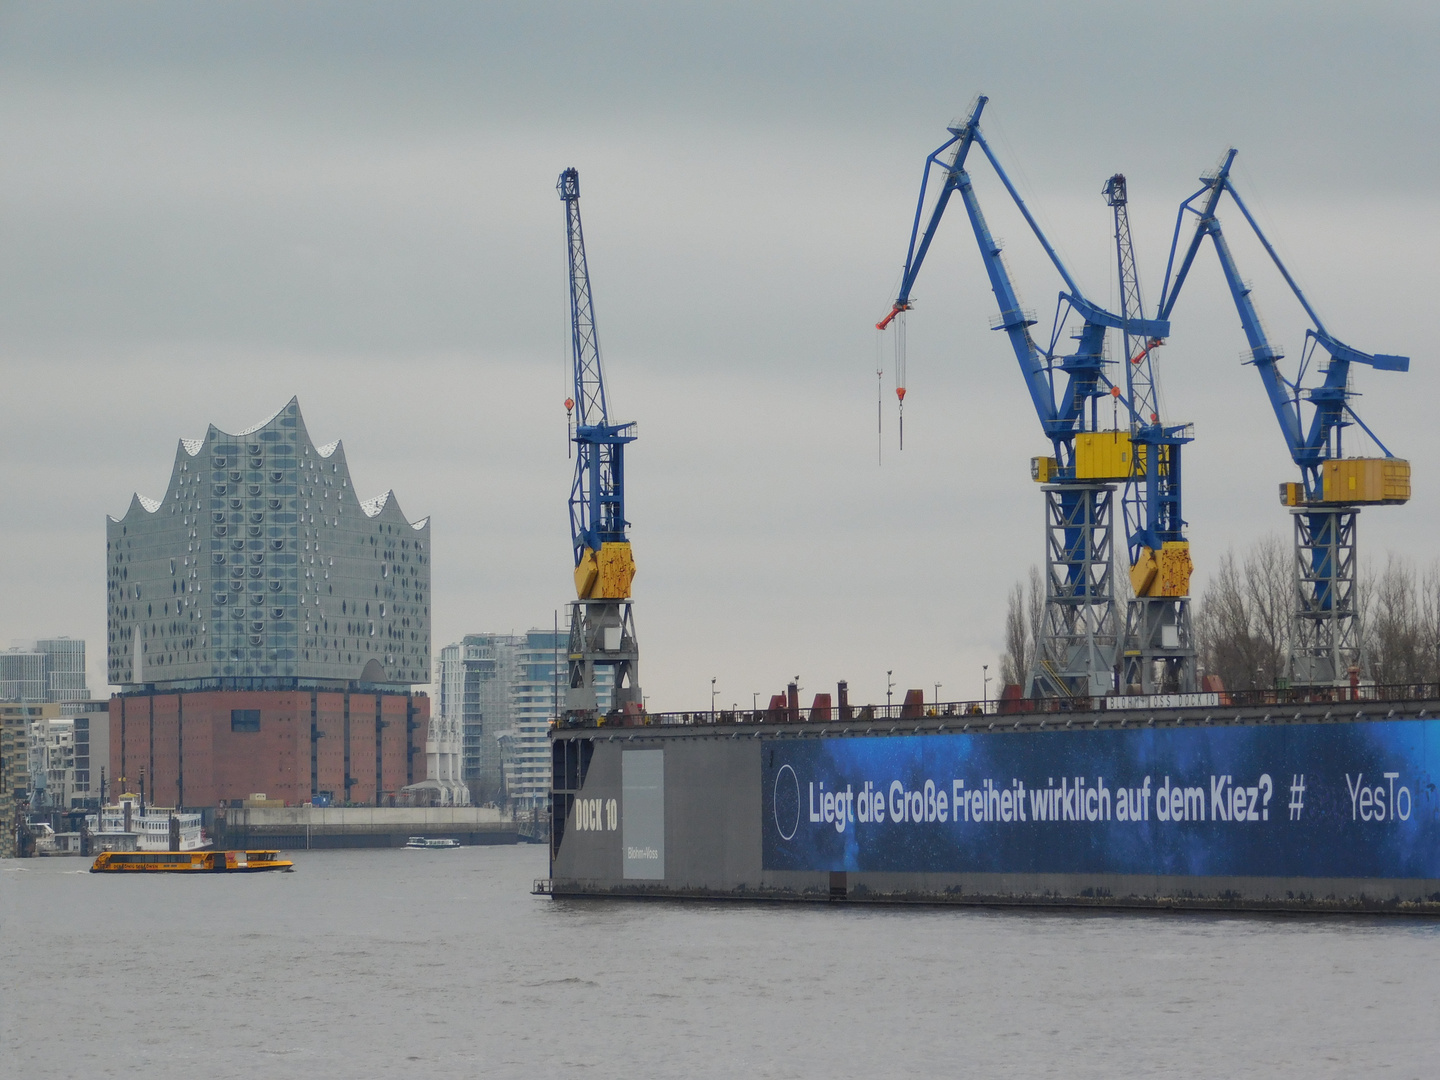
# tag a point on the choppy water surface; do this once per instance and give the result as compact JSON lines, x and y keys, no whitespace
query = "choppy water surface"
{"x":440,"y":964}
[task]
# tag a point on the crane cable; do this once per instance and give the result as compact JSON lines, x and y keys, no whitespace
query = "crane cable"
{"x":879,"y":398}
{"x":900,"y":372}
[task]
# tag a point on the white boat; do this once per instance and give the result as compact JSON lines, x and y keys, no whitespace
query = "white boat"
{"x":420,"y":842}
{"x":150,"y":827}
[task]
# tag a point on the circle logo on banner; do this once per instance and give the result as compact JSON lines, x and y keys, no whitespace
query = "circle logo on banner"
{"x":787,"y":802}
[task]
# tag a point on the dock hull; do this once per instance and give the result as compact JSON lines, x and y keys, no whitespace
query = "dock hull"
{"x":1308,"y":814}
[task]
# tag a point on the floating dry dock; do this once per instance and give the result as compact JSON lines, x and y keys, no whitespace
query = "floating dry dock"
{"x":1294,"y":800}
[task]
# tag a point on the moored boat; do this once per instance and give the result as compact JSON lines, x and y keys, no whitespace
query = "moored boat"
{"x":425,"y":843}
{"x":169,"y":862}
{"x":132,"y":825}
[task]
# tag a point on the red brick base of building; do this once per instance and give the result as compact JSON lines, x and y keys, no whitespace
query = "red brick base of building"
{"x":208,"y":748}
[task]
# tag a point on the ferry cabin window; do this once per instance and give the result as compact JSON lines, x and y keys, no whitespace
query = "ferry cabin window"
{"x":244,"y":719}
{"x":149,"y":857}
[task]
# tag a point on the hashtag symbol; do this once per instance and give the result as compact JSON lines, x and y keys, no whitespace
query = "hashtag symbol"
{"x":1297,"y":796}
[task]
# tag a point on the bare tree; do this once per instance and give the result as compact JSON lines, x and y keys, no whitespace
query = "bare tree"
{"x":1013,"y":664}
{"x":1242,"y":624}
{"x":1035,"y":603}
{"x":1430,"y":621}
{"x":1270,"y":587}
{"x":1024,"y":610}
{"x":1397,"y":645}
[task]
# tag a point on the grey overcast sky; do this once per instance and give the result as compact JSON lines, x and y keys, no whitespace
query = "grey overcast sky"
{"x":207,"y":208}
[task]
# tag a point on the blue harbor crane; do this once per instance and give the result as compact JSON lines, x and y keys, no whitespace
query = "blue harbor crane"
{"x":1080,"y":645}
{"x":602,"y":624}
{"x":1326,"y":644}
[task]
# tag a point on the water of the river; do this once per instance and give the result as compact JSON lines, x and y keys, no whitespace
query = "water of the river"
{"x":441,"y":964}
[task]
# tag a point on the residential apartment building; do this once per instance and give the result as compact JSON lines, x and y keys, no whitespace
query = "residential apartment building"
{"x":504,"y":689}
{"x":16,"y":720}
{"x":61,"y":752}
{"x":92,"y":753}
{"x":476,"y":675}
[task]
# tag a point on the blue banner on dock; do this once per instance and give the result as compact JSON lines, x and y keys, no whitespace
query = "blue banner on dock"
{"x":1290,"y":800}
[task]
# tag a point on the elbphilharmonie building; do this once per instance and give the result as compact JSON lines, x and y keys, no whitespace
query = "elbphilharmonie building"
{"x":261,"y":565}
{"x":267,"y":628}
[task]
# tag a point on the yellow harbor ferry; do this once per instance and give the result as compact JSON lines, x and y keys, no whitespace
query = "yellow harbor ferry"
{"x":169,"y":862}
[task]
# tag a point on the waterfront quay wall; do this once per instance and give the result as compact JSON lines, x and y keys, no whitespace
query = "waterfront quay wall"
{"x":1313,"y":806}
{"x":295,"y":828}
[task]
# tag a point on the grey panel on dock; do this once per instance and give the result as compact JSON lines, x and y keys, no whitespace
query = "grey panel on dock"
{"x":642,"y":813}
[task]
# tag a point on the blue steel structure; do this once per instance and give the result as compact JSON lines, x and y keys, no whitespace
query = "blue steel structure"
{"x":1326,"y":643}
{"x":1078,"y":648}
{"x":602,"y":631}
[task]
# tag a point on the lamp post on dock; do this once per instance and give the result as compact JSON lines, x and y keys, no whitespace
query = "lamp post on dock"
{"x":984,"y":688}
{"x":889,"y":690}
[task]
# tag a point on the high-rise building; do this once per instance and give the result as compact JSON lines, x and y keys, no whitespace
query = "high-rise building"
{"x":539,"y":688}
{"x":64,"y":670}
{"x":476,"y":678}
{"x":267,"y":626}
{"x":22,"y":675}
{"x":52,"y":671}
{"x":502,"y":688}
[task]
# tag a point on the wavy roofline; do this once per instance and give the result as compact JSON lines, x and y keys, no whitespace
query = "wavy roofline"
{"x":192,"y":449}
{"x":294,"y":400}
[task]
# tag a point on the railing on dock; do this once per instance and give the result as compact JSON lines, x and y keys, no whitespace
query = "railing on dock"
{"x":967,"y":712}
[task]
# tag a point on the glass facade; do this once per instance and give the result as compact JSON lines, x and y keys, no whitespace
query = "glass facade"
{"x":261,"y":563}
